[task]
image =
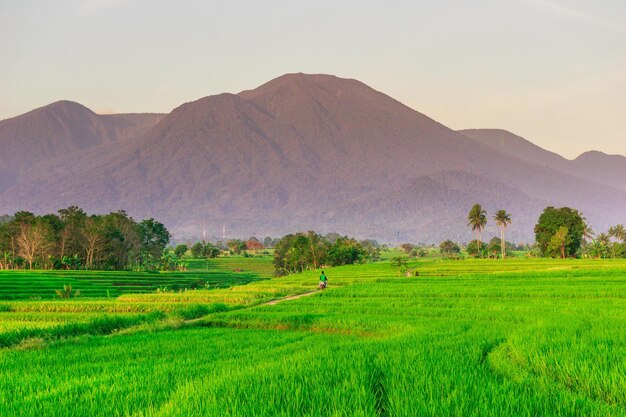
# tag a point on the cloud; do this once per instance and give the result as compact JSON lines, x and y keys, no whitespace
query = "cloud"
{"x":559,"y":10}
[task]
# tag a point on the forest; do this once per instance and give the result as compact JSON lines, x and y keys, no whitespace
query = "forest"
{"x":73,"y":239}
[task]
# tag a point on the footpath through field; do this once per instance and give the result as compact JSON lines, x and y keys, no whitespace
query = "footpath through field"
{"x":291,"y":297}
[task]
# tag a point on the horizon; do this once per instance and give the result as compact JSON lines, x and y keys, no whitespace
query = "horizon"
{"x":552,"y":72}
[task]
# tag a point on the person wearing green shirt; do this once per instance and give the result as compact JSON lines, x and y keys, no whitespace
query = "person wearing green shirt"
{"x":323,"y":280}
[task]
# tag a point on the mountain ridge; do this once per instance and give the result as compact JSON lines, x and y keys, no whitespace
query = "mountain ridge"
{"x":592,"y":165}
{"x":307,"y":152}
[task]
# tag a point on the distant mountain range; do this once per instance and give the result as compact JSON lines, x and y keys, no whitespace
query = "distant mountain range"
{"x":297,"y":153}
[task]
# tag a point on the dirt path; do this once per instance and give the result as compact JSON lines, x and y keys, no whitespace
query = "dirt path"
{"x":291,"y":297}
{"x":269,"y":303}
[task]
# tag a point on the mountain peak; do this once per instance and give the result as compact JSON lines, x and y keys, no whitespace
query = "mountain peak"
{"x":66,"y":106}
{"x":298,"y":83}
{"x":592,"y":154}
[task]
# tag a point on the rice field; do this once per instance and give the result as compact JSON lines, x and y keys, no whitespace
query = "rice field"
{"x":24,"y":285}
{"x":522,"y":337}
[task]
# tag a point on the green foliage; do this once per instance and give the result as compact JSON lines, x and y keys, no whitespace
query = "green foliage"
{"x":197,"y":250}
{"x":236,"y":246}
{"x":345,"y":251}
{"x":477,"y":249}
{"x":477,"y":220}
{"x":74,"y":240}
{"x":449,"y":248}
{"x":400,"y":263}
{"x":551,"y":221}
{"x":296,"y":253}
{"x":181,"y":250}
{"x":558,"y":243}
{"x":205,"y":250}
{"x":372,"y":250}
{"x":154,"y":237}
{"x":494,"y":248}
{"x":67,"y":292}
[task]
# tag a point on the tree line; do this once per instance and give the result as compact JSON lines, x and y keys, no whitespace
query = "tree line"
{"x":559,"y":233}
{"x":301,"y":251}
{"x":72,"y":239}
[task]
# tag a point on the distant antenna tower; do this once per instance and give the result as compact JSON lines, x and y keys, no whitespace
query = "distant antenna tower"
{"x":204,"y":231}
{"x":224,"y":232}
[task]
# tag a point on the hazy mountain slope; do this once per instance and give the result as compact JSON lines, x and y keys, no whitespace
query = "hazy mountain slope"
{"x":60,"y":129}
{"x":308,"y":152}
{"x":516,"y":146}
{"x":603,"y":168}
{"x":595,"y":166}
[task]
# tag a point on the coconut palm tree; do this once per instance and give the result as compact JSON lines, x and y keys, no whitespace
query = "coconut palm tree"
{"x":619,"y":233}
{"x":604,"y":241}
{"x":588,"y":235}
{"x":588,"y":232}
{"x":477,"y":219}
{"x":503,"y":219}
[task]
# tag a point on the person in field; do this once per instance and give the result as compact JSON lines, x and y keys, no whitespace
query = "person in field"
{"x":323,"y":281}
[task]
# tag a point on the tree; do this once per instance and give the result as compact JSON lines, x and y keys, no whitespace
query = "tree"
{"x":73,"y":219}
{"x":476,"y":249}
{"x":180,"y":250}
{"x":407,"y":247}
{"x":550,"y":222}
{"x":236,"y":246}
{"x":477,"y":220}
{"x":372,"y":249}
{"x":154,"y":237}
{"x":74,"y":240}
{"x":588,"y":235}
{"x":618,"y":233}
{"x":448,"y":248}
{"x":399,"y":262}
{"x":494,"y":247}
{"x":300,"y":251}
{"x":558,"y":242}
{"x":268,"y":242}
{"x":30,"y":241}
{"x":254,"y":244}
{"x":211,"y":251}
{"x":503,"y":219}
{"x":93,"y":239}
{"x":345,"y":251}
{"x":197,"y":250}
{"x":601,"y":245}
{"x":588,"y":232}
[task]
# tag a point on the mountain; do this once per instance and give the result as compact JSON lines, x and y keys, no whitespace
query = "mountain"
{"x":308,"y":152}
{"x":60,"y":129}
{"x":603,"y":168}
{"x":596,"y":166}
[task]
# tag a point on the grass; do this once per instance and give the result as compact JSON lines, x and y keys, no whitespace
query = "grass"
{"x":19,"y":285}
{"x":466,"y":338}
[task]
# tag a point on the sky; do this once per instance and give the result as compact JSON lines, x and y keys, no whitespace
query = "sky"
{"x":552,"y":71}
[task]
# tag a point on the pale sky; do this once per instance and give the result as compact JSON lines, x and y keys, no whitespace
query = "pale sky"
{"x":552,"y":71}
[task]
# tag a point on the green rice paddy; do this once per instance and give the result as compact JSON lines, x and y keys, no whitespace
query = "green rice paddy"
{"x":521,"y":337}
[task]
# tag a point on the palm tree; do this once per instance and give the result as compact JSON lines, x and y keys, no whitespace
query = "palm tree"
{"x":603,"y":240}
{"x":503,"y":219}
{"x":588,"y":235}
{"x":477,"y":219}
{"x":619,"y":233}
{"x":588,"y":232}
